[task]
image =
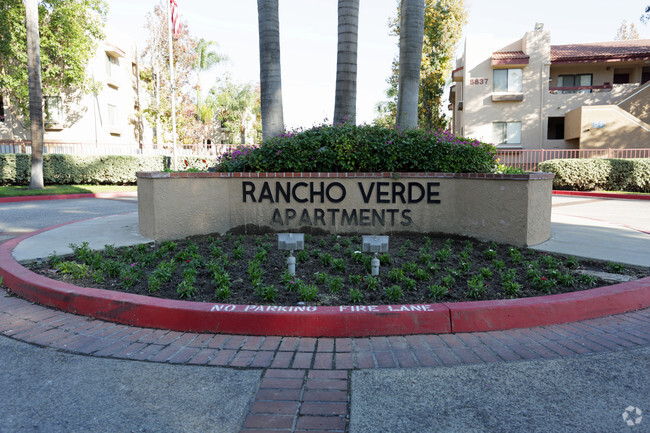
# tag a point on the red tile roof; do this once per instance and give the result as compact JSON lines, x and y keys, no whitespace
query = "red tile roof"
{"x":638,"y":49}
{"x":509,"y":55}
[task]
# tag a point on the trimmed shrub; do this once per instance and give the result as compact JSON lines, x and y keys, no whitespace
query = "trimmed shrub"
{"x":92,"y":169}
{"x":599,"y":174}
{"x":365,"y":148}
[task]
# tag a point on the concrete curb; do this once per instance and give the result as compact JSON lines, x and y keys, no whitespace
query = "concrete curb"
{"x":67,"y":196}
{"x":612,"y":195}
{"x":309,"y":321}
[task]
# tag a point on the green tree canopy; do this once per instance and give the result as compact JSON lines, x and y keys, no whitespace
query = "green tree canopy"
{"x":69,"y":31}
{"x":443,"y":24}
{"x":237,"y":107}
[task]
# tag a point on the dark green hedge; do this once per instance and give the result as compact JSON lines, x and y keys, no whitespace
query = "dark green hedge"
{"x":91,"y":169}
{"x":363,"y":148}
{"x":599,"y":174}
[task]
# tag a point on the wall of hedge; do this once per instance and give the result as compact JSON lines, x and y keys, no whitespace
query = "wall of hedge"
{"x":91,"y":169}
{"x":599,"y":174}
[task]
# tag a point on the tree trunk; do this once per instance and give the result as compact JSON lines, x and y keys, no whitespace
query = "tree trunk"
{"x":410,"y":58}
{"x":345,"y":104}
{"x":35,"y":93}
{"x":270,"y":72}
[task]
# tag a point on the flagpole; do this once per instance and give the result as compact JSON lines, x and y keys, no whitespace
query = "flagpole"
{"x":171,"y":73}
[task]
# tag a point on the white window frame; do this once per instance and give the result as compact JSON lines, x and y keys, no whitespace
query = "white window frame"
{"x":506,"y":133}
{"x":514,"y":80}
{"x":53,"y":109}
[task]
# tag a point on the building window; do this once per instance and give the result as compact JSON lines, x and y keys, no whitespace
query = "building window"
{"x":112,"y":65}
{"x":508,"y":80}
{"x":577,"y":80}
{"x":555,"y":129}
{"x":112,"y":115}
{"x":506,"y":133}
{"x":53,"y":110}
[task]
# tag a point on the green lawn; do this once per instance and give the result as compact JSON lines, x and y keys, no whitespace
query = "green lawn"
{"x":18,"y":191}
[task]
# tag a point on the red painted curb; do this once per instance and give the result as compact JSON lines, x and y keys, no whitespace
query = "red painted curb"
{"x":67,"y":196}
{"x":602,"y":195}
{"x":310,"y":321}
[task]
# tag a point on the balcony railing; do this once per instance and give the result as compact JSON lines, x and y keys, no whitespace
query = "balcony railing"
{"x":607,"y":87}
{"x":529,"y":159}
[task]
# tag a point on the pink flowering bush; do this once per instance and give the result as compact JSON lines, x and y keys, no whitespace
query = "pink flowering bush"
{"x":363,"y":148}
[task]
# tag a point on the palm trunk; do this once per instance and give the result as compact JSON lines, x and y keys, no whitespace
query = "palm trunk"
{"x":345,"y":104}
{"x":35,"y":93}
{"x":410,"y":58}
{"x":270,"y":71}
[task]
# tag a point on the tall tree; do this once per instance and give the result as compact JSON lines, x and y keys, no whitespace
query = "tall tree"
{"x":646,"y":16}
{"x":443,"y":23}
{"x":185,"y":57}
{"x":68,"y":33}
{"x":270,"y":70}
{"x":345,"y":103}
{"x":206,"y":59}
{"x":410,"y":59}
{"x":626,"y":32}
{"x":35,"y":93}
{"x":237,"y":108}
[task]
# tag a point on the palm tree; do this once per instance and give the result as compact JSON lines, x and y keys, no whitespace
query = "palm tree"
{"x":35,"y":93}
{"x":270,"y":71}
{"x":206,"y":59}
{"x":411,"y":38}
{"x":345,"y":103}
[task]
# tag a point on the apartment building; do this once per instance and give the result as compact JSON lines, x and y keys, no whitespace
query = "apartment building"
{"x":108,"y":117}
{"x":530,"y":94}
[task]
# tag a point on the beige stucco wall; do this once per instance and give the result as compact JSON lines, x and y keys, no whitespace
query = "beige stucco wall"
{"x":511,"y":210}
{"x":619,"y":129}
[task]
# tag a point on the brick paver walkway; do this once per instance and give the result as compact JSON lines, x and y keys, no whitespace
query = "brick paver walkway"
{"x":305,"y":384}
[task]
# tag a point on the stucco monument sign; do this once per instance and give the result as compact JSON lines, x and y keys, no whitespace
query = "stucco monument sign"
{"x":512,"y":209}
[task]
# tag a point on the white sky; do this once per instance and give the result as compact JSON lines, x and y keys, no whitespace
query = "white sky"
{"x":308,"y":32}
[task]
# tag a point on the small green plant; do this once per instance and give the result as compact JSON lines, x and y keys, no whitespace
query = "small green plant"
{"x":396,"y":275}
{"x":335,"y":284}
{"x":268,"y":293}
{"x":238,"y":253}
{"x":356,"y":297}
{"x":485,"y":273}
{"x":464,"y":267}
{"x":566,"y":279}
{"x":336,"y":248}
{"x":427,"y":243}
{"x":308,"y":237}
{"x":402,"y":252}
{"x":53,"y":260}
{"x":255,"y":272}
{"x":326,"y":259}
{"x":410,"y":267}
{"x":321,"y":278}
{"x":111,"y":268}
{"x":168,"y":246}
{"x":384,"y":259}
{"x":185,"y":289}
{"x":515,"y":255}
{"x":222,"y":293}
{"x":463,"y":255}
{"x":409,"y":283}
{"x":260,"y":255}
{"x":339,"y":265}
{"x":448,"y":281}
{"x":490,"y":254}
{"x":75,"y":270}
{"x":587,"y":279}
{"x":322,"y":243}
{"x":616,"y":268}
{"x":442,"y":255}
{"x":315,"y":252}
{"x":549,"y":261}
{"x":437,"y":291}
{"x":572,"y":263}
{"x":476,"y":287}
{"x":302,"y":256}
{"x":498,"y":264}
{"x":286,"y":277}
{"x":355,"y":279}
{"x":346,"y":242}
{"x":394,"y":293}
{"x":421,"y":274}
{"x":372,"y":283}
{"x":308,"y":292}
{"x":98,"y":276}
{"x":511,"y":288}
{"x":508,"y":275}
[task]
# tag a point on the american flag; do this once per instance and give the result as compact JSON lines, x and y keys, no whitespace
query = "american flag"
{"x":174,"y":13}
